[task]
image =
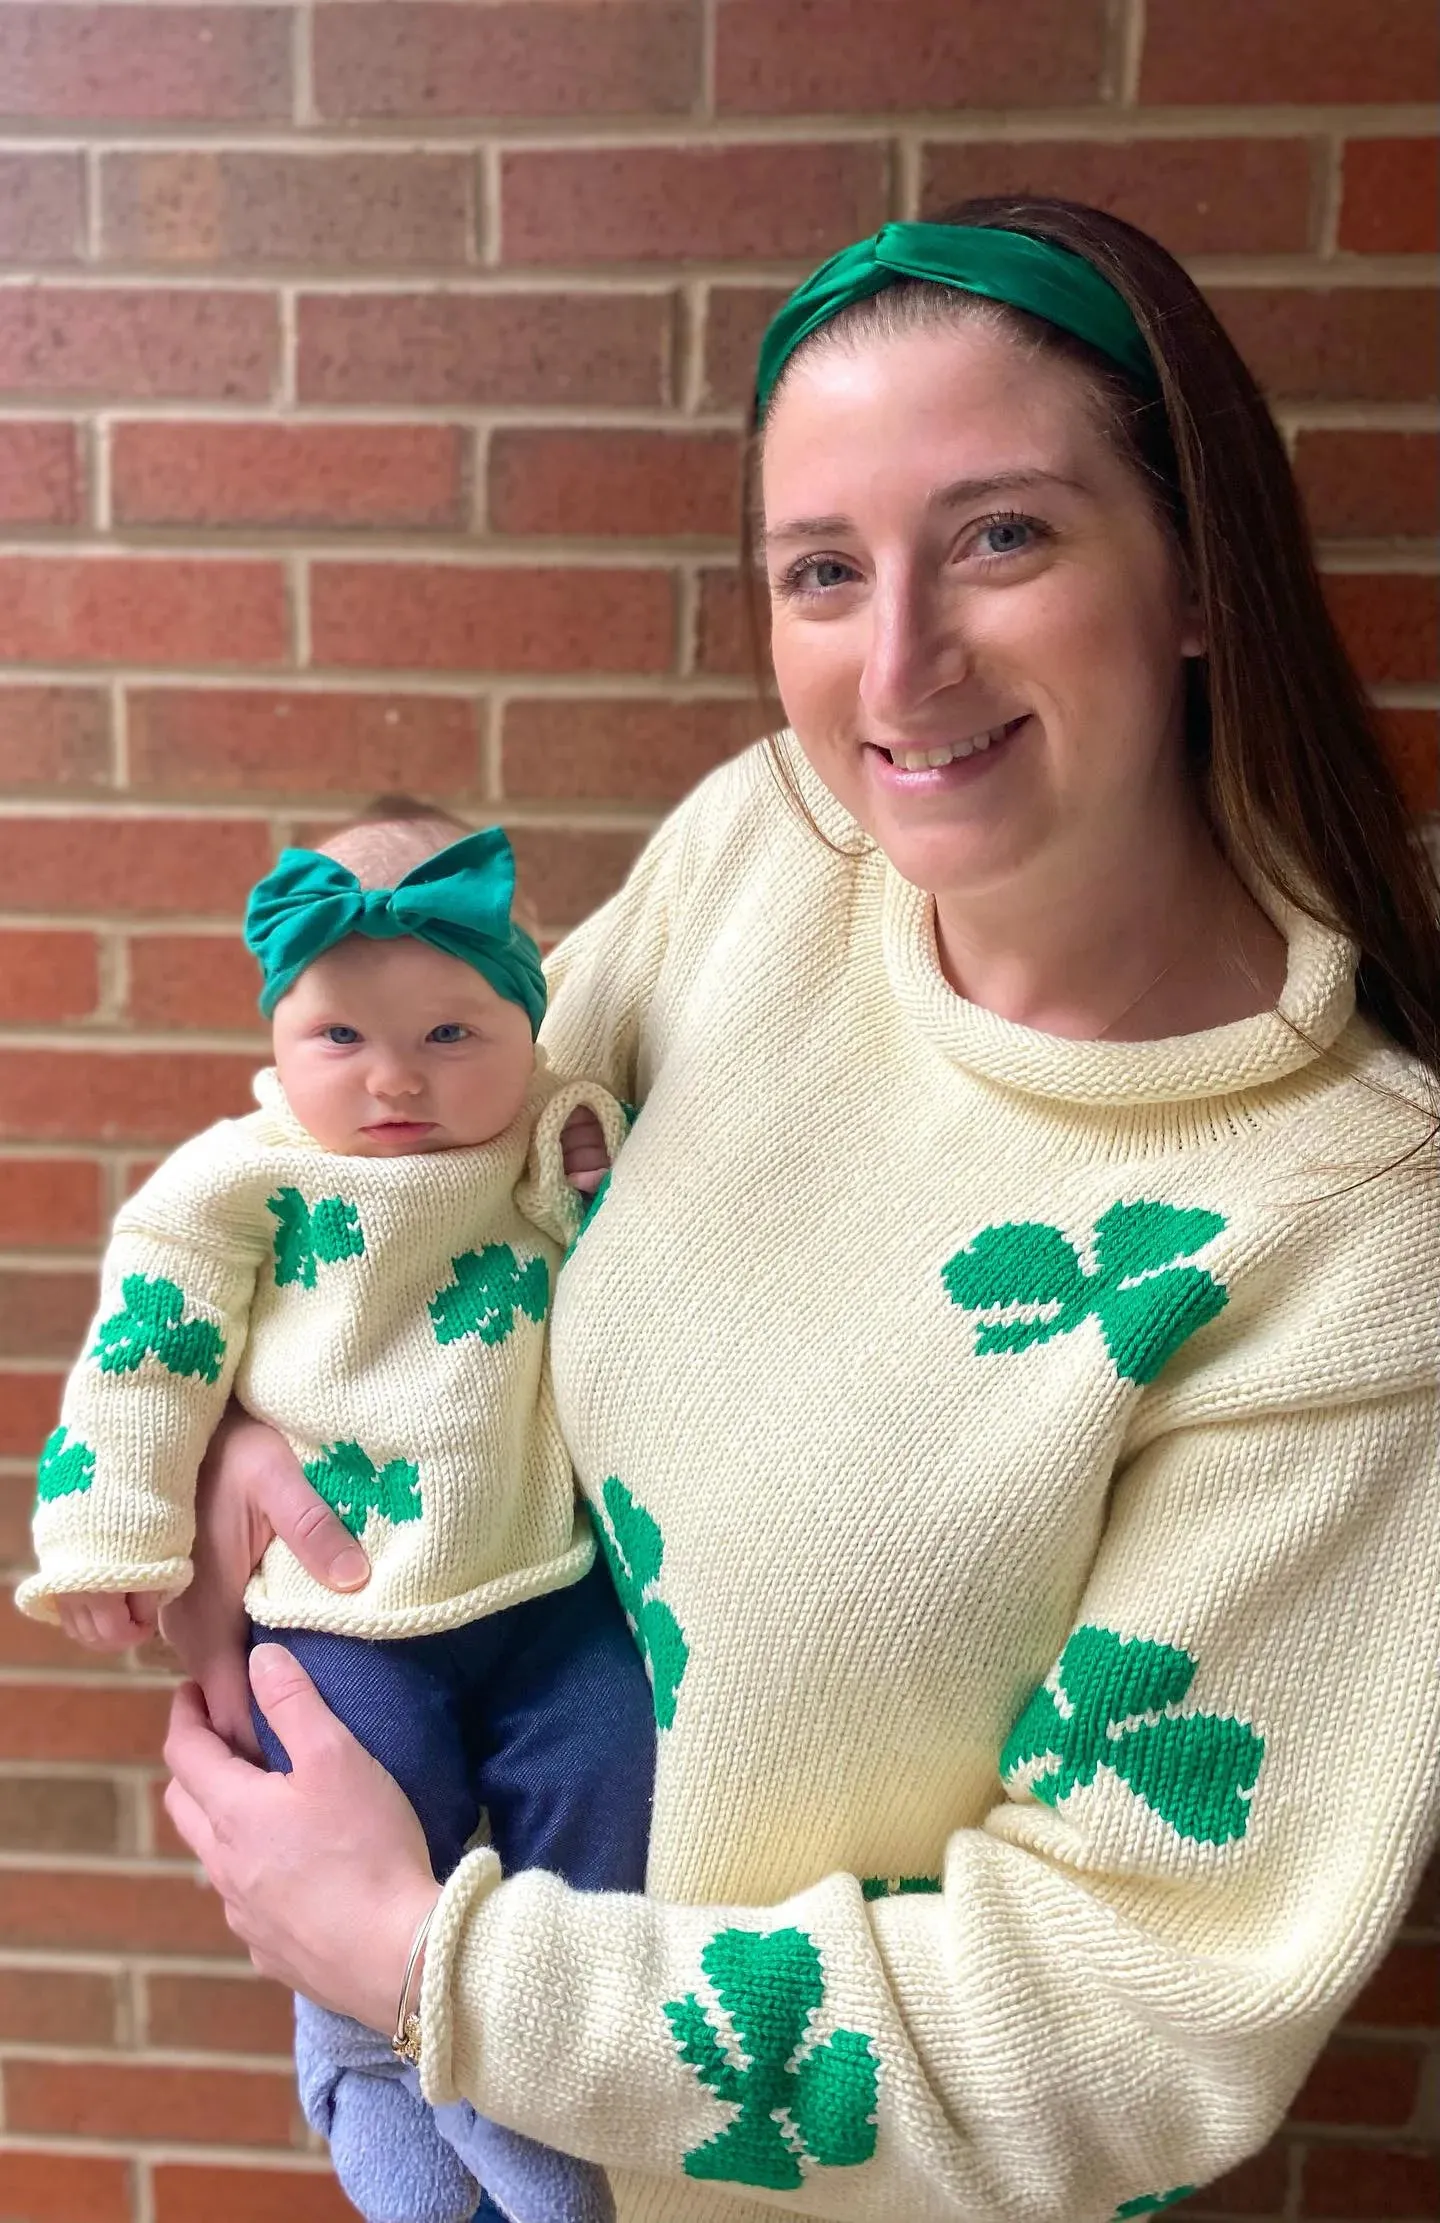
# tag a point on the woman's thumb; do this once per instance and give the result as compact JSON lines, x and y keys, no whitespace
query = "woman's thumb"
{"x":288,"y":1699}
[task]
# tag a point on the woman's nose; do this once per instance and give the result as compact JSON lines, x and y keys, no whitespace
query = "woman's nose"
{"x":915,"y":651}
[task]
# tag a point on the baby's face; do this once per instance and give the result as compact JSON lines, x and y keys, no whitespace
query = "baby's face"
{"x":387,"y":1048}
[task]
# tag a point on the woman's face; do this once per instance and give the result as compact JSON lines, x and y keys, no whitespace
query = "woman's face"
{"x":979,"y":620}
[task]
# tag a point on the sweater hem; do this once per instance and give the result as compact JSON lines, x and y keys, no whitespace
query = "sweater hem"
{"x":326,"y":1611}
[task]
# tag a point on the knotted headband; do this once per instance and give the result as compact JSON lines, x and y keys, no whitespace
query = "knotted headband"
{"x":1008,"y":266}
{"x":458,"y":900}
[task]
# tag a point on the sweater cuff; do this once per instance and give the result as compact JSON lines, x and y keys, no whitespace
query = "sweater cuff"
{"x":38,"y":1595}
{"x":466,"y":1891}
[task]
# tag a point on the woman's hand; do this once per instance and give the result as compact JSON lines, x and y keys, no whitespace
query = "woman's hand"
{"x":324,"y":1872}
{"x":251,"y":1490}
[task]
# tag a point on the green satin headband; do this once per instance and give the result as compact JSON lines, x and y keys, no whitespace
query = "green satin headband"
{"x":1008,"y":266}
{"x":458,"y":900}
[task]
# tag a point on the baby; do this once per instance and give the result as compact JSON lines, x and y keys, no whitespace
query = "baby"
{"x":366,"y":1263}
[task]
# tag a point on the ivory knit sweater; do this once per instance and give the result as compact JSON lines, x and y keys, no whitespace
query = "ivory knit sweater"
{"x":387,"y":1314}
{"x":1019,"y":1460}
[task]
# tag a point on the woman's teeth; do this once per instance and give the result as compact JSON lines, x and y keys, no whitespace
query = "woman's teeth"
{"x":924,"y":760}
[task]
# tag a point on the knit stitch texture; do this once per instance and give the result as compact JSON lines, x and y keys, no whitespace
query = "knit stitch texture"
{"x":386,"y":1314}
{"x":1018,"y":1458}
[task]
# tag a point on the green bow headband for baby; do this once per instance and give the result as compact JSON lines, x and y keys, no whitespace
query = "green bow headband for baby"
{"x":1008,"y":266}
{"x":458,"y":900}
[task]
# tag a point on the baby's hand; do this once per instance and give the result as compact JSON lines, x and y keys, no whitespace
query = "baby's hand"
{"x":109,"y":1620}
{"x":582,"y":1146}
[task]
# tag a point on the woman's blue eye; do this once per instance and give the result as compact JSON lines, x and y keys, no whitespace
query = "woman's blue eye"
{"x":1006,"y":536}
{"x":451,"y":1031}
{"x":342,"y":1035}
{"x":813,"y":575}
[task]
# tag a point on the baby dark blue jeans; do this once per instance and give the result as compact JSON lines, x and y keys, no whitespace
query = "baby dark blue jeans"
{"x":540,"y":1715}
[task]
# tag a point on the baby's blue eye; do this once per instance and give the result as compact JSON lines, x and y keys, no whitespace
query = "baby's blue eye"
{"x":451,"y":1031}
{"x":342,"y":1035}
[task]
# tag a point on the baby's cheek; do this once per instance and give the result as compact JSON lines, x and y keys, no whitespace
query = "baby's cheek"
{"x":319,"y":1096}
{"x":487,"y":1097}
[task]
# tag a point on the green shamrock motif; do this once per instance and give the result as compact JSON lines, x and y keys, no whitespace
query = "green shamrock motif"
{"x":66,"y":1465}
{"x":1112,"y":1708}
{"x":310,"y":1236}
{"x":795,"y":2099}
{"x":898,"y":1887}
{"x":1145,"y":1301}
{"x":1150,"y":2203}
{"x":635,"y":1550}
{"x":489,"y":1288}
{"x":153,"y":1325}
{"x":351,"y":1483}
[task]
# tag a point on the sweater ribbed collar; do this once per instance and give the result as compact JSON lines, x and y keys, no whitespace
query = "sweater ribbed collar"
{"x":1315,"y":1006}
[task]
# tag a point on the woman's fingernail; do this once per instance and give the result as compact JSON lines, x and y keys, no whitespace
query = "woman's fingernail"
{"x":349,"y":1568}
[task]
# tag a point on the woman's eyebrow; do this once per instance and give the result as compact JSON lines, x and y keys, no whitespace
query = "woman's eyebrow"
{"x":999,"y":482}
{"x":958,"y":492}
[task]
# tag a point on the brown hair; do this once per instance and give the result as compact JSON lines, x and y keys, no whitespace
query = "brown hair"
{"x":1283,"y":743}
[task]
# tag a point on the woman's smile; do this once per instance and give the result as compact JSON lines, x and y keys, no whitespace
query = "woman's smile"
{"x":940,"y":767}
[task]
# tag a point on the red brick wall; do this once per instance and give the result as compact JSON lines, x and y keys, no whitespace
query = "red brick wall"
{"x":369,"y":385}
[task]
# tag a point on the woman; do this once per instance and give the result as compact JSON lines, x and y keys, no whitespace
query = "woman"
{"x":1003,"y":1365}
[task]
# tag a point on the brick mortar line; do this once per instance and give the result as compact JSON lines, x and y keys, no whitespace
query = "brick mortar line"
{"x":1098,"y":119}
{"x":497,"y":552}
{"x":393,"y":417}
{"x":308,"y":416}
{"x":486,"y":215}
{"x":705,"y":104}
{"x":112,"y":998}
{"x":530,"y":553}
{"x":542,"y":280}
{"x":160,"y":2153}
{"x":142,"y":2055}
{"x":302,"y":66}
{"x":285,"y":383}
{"x":322,"y":543}
{"x":530,"y":810}
{"x":146,"y":1965}
{"x":1130,"y":54}
{"x":120,"y":1036}
{"x":119,"y":735}
{"x":1330,"y":196}
{"x":604,"y":278}
{"x":49,"y":1863}
{"x":906,"y":163}
{"x":81,"y":1772}
{"x":92,"y":206}
{"x":455,"y":547}
{"x":43,"y":1152}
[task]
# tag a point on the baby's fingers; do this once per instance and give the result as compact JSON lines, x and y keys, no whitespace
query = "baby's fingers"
{"x":105,"y":1623}
{"x":582,"y":1144}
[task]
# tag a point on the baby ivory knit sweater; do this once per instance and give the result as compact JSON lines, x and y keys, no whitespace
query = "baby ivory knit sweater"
{"x":1018,"y":1458}
{"x":386,"y":1314}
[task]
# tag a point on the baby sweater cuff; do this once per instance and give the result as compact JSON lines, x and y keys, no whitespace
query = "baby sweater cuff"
{"x":39,"y":1595}
{"x":469,"y":1886}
